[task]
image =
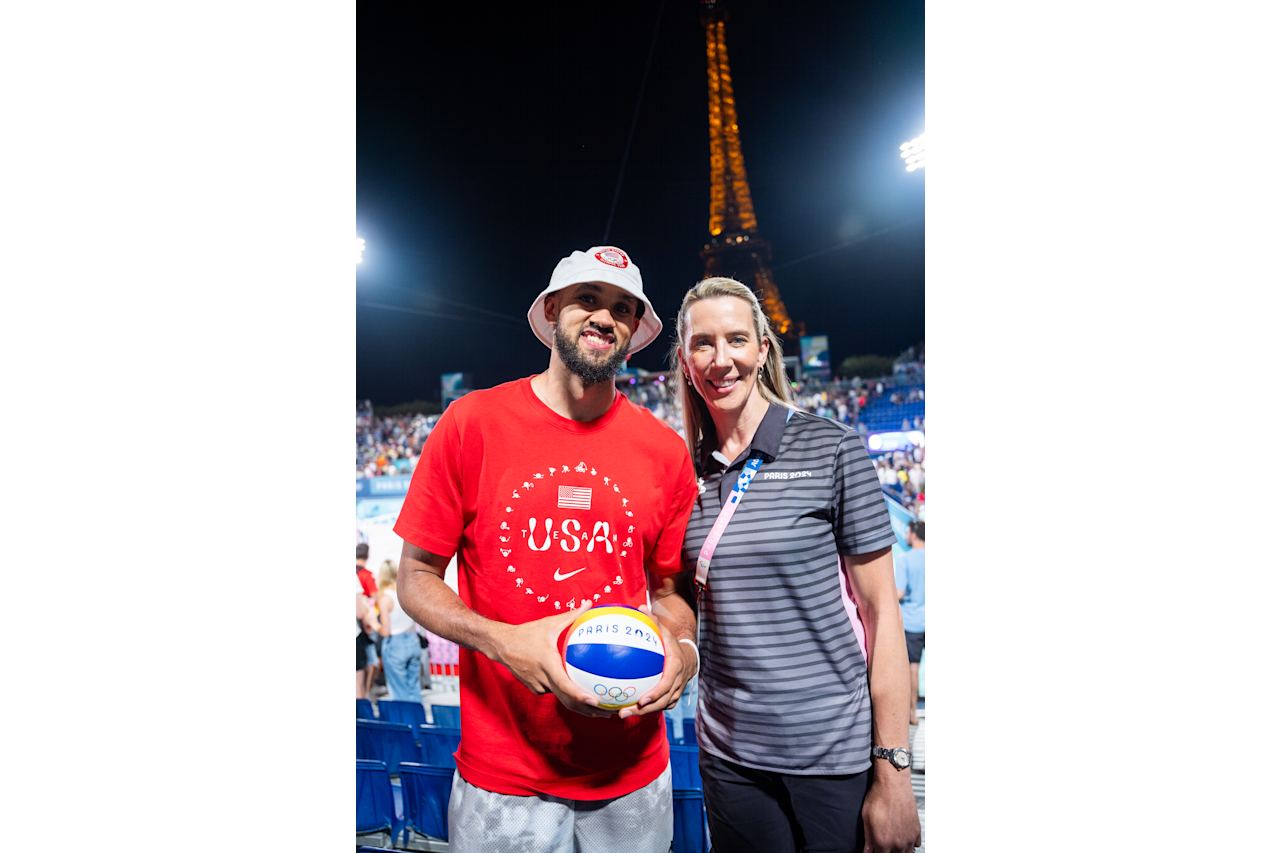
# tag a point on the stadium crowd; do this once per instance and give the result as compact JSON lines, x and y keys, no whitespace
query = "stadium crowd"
{"x":902,"y":476}
{"x":389,"y":445}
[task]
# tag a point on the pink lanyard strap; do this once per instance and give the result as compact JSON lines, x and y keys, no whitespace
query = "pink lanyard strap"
{"x":722,"y":520}
{"x":726,"y":512}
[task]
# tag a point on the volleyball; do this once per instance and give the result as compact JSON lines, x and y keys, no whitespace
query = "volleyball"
{"x":615,"y":653}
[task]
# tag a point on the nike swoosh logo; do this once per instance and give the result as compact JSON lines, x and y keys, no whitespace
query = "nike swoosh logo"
{"x":561,"y":577}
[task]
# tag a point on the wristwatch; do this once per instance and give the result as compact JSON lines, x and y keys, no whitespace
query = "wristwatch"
{"x":899,"y":757}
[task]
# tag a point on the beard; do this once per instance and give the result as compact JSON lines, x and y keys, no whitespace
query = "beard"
{"x":590,"y":372}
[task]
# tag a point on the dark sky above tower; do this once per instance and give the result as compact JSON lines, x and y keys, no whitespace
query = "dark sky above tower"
{"x":490,"y":138}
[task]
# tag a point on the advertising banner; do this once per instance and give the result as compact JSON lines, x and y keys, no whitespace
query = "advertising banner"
{"x":815,"y":356}
{"x":378,"y":502}
{"x":887,"y":442}
{"x":453,"y":386}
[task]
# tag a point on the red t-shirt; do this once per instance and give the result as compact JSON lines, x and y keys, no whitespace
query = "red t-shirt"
{"x":367,"y":583}
{"x":546,"y":513}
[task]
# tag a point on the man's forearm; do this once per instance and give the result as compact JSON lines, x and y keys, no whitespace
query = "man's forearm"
{"x":433,"y":605}
{"x":672,"y":610}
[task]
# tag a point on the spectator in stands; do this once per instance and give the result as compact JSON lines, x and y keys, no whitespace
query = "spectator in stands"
{"x":775,"y":776}
{"x":364,"y":623}
{"x":397,"y":440}
{"x":367,"y":582}
{"x":908,"y":574}
{"x":366,"y":650}
{"x":401,"y":651}
{"x":388,"y":446}
{"x":556,"y":492}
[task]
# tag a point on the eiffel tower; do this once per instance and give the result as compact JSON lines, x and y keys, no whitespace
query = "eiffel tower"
{"x":736,"y":248}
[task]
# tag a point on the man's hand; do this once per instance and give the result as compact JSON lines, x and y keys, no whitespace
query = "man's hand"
{"x":889,"y":817}
{"x":531,"y":652}
{"x":677,"y":669}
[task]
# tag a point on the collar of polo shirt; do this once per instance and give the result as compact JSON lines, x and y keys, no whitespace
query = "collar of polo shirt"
{"x":766,"y":441}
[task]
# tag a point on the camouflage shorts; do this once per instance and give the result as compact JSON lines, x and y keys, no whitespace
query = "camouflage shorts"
{"x":482,"y":821}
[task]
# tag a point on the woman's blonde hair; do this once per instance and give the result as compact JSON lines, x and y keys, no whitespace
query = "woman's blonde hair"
{"x":387,"y":574}
{"x":773,"y":383}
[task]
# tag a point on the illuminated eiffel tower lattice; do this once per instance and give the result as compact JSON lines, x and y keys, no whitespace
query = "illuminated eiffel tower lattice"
{"x":736,"y":248}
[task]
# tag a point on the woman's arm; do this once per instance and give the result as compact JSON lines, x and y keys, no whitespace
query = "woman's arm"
{"x":889,"y":811}
{"x":384,"y":614}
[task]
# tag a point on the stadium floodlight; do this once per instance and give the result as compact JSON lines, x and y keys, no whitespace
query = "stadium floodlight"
{"x":913,"y":153}
{"x":359,"y":250}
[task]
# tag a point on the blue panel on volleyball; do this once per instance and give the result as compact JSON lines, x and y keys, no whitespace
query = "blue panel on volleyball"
{"x":617,"y":660}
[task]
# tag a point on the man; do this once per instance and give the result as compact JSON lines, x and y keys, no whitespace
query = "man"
{"x":367,"y":581}
{"x":366,"y":623}
{"x":556,"y":493}
{"x":908,"y":574}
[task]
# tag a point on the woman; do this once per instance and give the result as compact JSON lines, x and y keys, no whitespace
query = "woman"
{"x":401,"y":651}
{"x":787,"y":714}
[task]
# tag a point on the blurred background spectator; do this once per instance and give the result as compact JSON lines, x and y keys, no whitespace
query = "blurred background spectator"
{"x":389,"y":444}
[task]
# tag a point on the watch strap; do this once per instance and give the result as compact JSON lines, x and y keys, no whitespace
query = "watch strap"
{"x":887,"y":755}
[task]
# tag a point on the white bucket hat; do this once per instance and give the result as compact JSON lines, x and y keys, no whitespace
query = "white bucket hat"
{"x":607,"y":264}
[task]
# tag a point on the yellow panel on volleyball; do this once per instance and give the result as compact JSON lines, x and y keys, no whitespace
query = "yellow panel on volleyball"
{"x":616,"y":610}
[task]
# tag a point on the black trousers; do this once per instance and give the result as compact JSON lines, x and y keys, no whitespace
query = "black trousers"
{"x":761,"y":810}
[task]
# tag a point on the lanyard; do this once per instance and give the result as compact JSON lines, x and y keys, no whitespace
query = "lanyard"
{"x":726,"y":512}
{"x":722,"y":521}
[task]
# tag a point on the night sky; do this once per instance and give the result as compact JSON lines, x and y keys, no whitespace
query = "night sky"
{"x":490,"y":139}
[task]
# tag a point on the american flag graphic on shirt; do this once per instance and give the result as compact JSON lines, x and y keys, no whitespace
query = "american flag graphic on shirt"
{"x":574,"y":497}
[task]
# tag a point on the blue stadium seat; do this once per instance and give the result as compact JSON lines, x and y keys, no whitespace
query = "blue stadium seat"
{"x":691,"y":835}
{"x":684,"y":766}
{"x":438,"y":745}
{"x":390,"y":743}
{"x":446,"y":716}
{"x":409,"y":713}
{"x":674,"y":728}
{"x":691,"y":730}
{"x":426,"y":799}
{"x":375,"y":806}
{"x":364,"y":710}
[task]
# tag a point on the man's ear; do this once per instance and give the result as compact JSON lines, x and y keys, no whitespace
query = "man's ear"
{"x":549,"y":306}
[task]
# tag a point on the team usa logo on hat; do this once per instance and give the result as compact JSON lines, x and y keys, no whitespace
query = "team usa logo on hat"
{"x":614,"y":257}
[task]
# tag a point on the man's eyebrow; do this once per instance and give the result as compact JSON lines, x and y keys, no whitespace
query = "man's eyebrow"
{"x":595,"y":288}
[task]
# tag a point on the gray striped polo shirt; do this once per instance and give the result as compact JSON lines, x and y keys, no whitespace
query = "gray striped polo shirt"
{"x":783,"y":683}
